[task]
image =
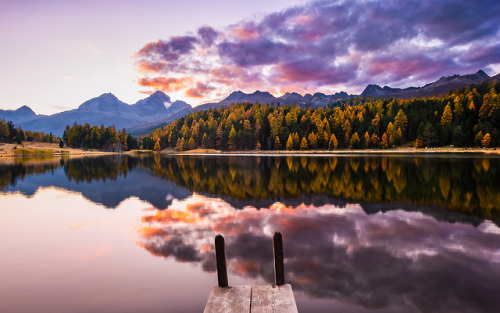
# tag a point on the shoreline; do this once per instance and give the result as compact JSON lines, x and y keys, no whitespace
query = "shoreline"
{"x":401,"y":151}
{"x":7,"y":152}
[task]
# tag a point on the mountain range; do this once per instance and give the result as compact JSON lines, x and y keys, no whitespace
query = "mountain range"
{"x":105,"y":109}
{"x":443,"y":85}
{"x":158,"y":110}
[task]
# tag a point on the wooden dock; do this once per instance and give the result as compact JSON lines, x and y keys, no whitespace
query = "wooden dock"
{"x":254,"y":299}
{"x":277,"y":298}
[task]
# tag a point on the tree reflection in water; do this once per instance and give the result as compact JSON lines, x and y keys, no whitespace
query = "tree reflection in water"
{"x":467,"y":185}
{"x":395,"y":259}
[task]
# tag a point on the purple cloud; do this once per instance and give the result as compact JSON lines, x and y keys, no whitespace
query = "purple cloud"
{"x":207,"y":35}
{"x":324,"y":45}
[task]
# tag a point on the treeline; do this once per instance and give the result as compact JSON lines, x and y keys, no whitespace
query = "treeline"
{"x":94,"y":137}
{"x":464,"y":118}
{"x":9,"y":133}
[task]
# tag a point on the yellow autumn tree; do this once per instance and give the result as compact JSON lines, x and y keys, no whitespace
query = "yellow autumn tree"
{"x":354,"y":143}
{"x":400,"y":121}
{"x":157,"y":145}
{"x":385,"y":142}
{"x":191,"y":144}
{"x":486,"y":140}
{"x":303,"y":144}
{"x":447,"y":116}
{"x":289,"y":143}
{"x":333,"y":143}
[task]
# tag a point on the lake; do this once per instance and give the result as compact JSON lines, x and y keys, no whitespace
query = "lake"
{"x":362,"y":233}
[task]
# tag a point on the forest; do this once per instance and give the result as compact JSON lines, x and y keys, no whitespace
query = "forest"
{"x":469,"y":117}
{"x":94,"y":137}
{"x":9,"y":133}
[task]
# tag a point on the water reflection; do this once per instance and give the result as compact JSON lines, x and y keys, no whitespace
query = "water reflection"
{"x":104,"y":180}
{"x":403,"y":260}
{"x":422,"y":236}
{"x":469,"y":186}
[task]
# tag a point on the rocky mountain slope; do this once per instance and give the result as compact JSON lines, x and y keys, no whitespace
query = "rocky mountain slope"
{"x":439,"y":87}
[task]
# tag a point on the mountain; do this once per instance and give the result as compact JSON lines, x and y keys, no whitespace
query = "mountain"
{"x":158,"y":105}
{"x":104,"y":103}
{"x":240,"y":97}
{"x":293,"y":98}
{"x":22,"y":114}
{"x":439,"y":87}
{"x":108,"y":110}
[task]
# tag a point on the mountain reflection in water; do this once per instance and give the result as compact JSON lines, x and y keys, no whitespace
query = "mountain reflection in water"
{"x":398,"y":233}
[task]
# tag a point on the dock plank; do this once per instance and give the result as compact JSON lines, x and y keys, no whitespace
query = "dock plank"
{"x":273,"y":299}
{"x":229,"y":299}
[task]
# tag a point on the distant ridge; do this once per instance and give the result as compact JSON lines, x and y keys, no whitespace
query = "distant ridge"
{"x":22,"y":114}
{"x":443,"y":85}
{"x":293,"y":98}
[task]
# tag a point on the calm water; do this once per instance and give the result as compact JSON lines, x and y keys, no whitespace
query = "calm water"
{"x":361,"y":233}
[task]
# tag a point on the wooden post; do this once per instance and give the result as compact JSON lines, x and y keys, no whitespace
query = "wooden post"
{"x":279,"y":268}
{"x":220,"y":255}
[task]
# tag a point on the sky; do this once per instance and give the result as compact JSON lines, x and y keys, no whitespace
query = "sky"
{"x":57,"y":54}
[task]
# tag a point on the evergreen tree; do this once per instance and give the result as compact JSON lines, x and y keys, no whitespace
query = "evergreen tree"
{"x":123,"y":139}
{"x":429,"y":136}
{"x":478,"y":140}
{"x":277,"y":144}
{"x":232,"y":139}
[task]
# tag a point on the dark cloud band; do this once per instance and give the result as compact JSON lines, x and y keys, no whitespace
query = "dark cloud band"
{"x":325,"y":45}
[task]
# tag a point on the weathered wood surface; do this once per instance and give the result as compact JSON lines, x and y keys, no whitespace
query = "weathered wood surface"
{"x":229,"y":299}
{"x":273,"y":299}
{"x":252,"y":299}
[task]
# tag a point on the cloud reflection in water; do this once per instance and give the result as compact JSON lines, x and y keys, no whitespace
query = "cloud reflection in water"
{"x":392,"y":259}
